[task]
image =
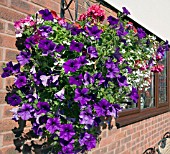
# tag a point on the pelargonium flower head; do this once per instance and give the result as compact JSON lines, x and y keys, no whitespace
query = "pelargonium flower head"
{"x":66,"y":131}
{"x":94,"y":31}
{"x":92,"y":52}
{"x":134,"y":95}
{"x":87,"y":140}
{"x":76,"y":80}
{"x":76,"y":46}
{"x":23,"y":58}
{"x":46,"y":14}
{"x":70,"y":66}
{"x":125,"y":11}
{"x":43,"y":107}
{"x":101,"y":107}
{"x":26,"y":111}
{"x":20,"y":81}
{"x":14,"y":100}
{"x":157,"y":68}
{"x":82,"y":17}
{"x":59,"y":48}
{"x":141,"y":33}
{"x":82,"y":96}
{"x":122,"y":81}
{"x":113,"y":21}
{"x":52,"y":125}
{"x":60,"y":95}
{"x":45,"y":30}
{"x":96,"y":13}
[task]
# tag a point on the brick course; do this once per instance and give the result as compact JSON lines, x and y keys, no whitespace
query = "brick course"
{"x":132,"y":139}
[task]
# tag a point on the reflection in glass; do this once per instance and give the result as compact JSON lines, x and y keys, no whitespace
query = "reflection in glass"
{"x":147,"y":97}
{"x":163,"y":82}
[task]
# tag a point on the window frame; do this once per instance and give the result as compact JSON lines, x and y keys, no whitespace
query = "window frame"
{"x":130,"y":116}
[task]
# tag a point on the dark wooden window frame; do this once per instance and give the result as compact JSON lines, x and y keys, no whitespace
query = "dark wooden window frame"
{"x":130,"y":116}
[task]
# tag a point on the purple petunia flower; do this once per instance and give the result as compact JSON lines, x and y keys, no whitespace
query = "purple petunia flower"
{"x":60,"y":95}
{"x":88,"y":79}
{"x":14,"y":100}
{"x":87,"y":140}
{"x":70,"y":66}
{"x":45,"y":30}
{"x":81,"y":61}
{"x":117,"y":108}
{"x":52,"y":125}
{"x":10,"y":69}
{"x":26,"y":112}
{"x":92,"y":52}
{"x":86,"y":116}
{"x":75,"y":30}
{"x":98,"y":76}
{"x":102,"y":107}
{"x":30,"y":41}
{"x":59,"y":48}
{"x":45,"y":80}
{"x":46,"y":14}
{"x":47,"y":46}
{"x":134,"y":95}
{"x":125,"y":11}
{"x":121,"y":31}
{"x":81,"y":95}
{"x":122,"y":81}
{"x":20,"y":81}
{"x":76,"y":46}
{"x":15,"y":114}
{"x":77,"y":80}
{"x":43,"y":107}
{"x":94,"y":31}
{"x":66,"y":131}
{"x":68,"y":149}
{"x":141,"y":33}
{"x":113,"y":21}
{"x":117,"y":55}
{"x":23,"y":58}
{"x":113,"y":70}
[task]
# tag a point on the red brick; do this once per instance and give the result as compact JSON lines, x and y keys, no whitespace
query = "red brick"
{"x":1,"y":54}
{"x":8,"y":150}
{"x":10,"y":29}
{"x":8,"y":138}
{"x":2,"y":26}
{"x":7,"y":41}
{"x":3,"y":2}
{"x":2,"y":97}
{"x":11,"y":55}
{"x":1,"y":83}
{"x":10,"y":15}
{"x":9,"y":81}
{"x":52,"y":5}
{"x":7,"y":125}
{"x":1,"y":65}
{"x":106,"y":141}
{"x":25,"y":7}
{"x":7,"y":112}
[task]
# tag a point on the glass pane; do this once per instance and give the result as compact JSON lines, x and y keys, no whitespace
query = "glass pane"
{"x":163,"y":82}
{"x":129,"y":104}
{"x":147,"y":99}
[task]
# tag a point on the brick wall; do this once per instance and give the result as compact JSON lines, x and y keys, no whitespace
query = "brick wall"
{"x":132,"y":139}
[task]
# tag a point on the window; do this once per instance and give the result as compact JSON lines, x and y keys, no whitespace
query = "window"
{"x":152,"y":102}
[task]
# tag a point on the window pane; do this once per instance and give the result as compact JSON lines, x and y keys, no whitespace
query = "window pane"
{"x":163,"y":82}
{"x":147,"y":99}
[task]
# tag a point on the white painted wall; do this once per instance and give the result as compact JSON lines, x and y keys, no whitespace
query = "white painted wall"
{"x":154,"y":15}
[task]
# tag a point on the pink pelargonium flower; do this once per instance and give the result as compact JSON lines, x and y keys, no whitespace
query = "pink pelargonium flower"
{"x":96,"y":13}
{"x":82,"y":17}
{"x":157,"y":68}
